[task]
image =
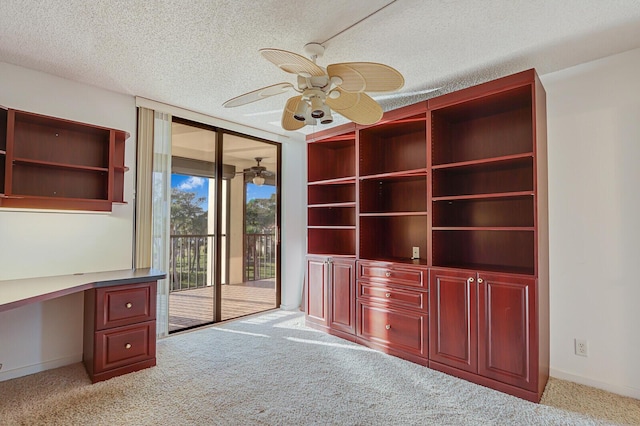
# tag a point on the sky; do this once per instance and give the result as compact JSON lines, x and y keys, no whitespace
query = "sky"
{"x":200,"y":186}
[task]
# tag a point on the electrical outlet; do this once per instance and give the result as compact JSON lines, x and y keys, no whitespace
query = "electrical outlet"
{"x":581,"y":347}
{"x":416,"y":253}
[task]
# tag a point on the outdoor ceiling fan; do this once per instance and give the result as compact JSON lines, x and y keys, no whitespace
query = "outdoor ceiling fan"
{"x":339,"y":88}
{"x":258,"y":172}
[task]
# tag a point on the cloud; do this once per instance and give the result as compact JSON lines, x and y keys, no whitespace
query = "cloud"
{"x":191,"y":183}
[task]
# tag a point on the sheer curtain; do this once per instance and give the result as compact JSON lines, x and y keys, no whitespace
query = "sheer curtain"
{"x":153,"y":197}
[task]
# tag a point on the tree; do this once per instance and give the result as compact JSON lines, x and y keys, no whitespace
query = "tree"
{"x":261,"y":215}
{"x":187,"y":214}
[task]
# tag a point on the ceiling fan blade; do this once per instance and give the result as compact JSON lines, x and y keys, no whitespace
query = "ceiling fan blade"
{"x":357,"y":107}
{"x":288,"y":122}
{"x":366,"y":77}
{"x":292,"y":62}
{"x":257,"y":95}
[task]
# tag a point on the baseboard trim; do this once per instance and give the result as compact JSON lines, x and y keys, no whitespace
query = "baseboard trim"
{"x":617,"y":389}
{"x":37,"y":368}
{"x":292,"y":307}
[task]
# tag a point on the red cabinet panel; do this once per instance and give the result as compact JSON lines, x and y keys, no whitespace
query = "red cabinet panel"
{"x":317,"y":288}
{"x":116,"y":307}
{"x":389,"y":295}
{"x":454,"y":339}
{"x":396,"y":329}
{"x":124,"y":345}
{"x":342,"y":315}
{"x":505,"y":326}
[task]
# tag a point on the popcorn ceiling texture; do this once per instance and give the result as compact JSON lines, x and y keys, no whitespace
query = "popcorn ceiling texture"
{"x":197,"y":54}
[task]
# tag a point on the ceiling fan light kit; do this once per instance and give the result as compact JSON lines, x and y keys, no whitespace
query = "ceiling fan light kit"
{"x":340,"y":87}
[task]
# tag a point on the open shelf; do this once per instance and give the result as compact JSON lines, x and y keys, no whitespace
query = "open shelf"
{"x":393,"y":237}
{"x":492,"y":126}
{"x":487,"y":250}
{"x":393,"y":147}
{"x":331,"y":194}
{"x":332,"y":216}
{"x":400,"y":194}
{"x":35,"y":180}
{"x":331,"y":159}
{"x":488,"y":212}
{"x":512,"y":175}
{"x":331,"y":240}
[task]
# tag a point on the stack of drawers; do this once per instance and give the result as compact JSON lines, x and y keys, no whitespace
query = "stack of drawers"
{"x":120,"y":329}
{"x":393,"y":308}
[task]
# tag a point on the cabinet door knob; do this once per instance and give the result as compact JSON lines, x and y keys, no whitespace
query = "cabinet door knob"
{"x":471,"y":279}
{"x":127,"y":346}
{"x":388,"y":326}
{"x":387,"y":274}
{"x":129,"y":305}
{"x":388,"y":294}
{"x":479,"y":280}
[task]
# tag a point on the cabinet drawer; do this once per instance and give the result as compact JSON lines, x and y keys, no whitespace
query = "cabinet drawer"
{"x":124,"y":305}
{"x":124,"y":345}
{"x":414,"y":277}
{"x":387,"y":295}
{"x":400,"y":330}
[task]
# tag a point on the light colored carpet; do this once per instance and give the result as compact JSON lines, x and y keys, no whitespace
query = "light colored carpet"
{"x":272,"y":370}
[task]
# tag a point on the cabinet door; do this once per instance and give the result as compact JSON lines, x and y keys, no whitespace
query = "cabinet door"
{"x":453,"y":333}
{"x":342,"y":314}
{"x":317,"y":289}
{"x":506,"y":329}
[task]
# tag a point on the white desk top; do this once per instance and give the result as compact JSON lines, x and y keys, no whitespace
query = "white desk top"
{"x":15,"y":293}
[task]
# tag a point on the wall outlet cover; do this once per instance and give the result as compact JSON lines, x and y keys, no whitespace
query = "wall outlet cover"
{"x":416,"y":253}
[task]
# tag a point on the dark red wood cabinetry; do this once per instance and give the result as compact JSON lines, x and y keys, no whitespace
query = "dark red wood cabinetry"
{"x":444,"y":206}
{"x":120,"y":330}
{"x":46,"y":162}
{"x":330,"y":294}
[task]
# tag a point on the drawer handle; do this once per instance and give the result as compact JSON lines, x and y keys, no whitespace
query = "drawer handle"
{"x":129,"y":305}
{"x":387,"y":274}
{"x":470,"y":280}
{"x":388,"y":326}
{"x":388,"y":294}
{"x":127,"y":346}
{"x":479,"y":280}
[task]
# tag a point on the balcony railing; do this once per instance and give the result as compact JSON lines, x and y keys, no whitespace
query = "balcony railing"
{"x":191,"y":256}
{"x":259,"y":257}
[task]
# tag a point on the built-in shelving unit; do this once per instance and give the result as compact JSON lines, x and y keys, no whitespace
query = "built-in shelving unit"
{"x":47,"y":162}
{"x":443,"y":207}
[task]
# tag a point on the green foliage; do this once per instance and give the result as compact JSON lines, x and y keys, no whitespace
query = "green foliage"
{"x":187,"y":215}
{"x":261,"y":215}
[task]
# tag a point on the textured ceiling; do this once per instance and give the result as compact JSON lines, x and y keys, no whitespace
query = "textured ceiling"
{"x":196,"y":54}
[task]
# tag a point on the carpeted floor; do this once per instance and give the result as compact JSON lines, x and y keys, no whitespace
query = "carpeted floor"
{"x":272,"y":370}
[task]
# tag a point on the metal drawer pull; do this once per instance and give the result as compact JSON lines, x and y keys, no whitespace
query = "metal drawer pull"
{"x":127,"y":346}
{"x":388,"y":326}
{"x":128,"y":305}
{"x":388,"y":294}
{"x":387,"y":274}
{"x":479,"y":280}
{"x":470,"y":280}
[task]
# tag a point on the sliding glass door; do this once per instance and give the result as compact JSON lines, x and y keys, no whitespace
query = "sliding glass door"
{"x":224,"y":248}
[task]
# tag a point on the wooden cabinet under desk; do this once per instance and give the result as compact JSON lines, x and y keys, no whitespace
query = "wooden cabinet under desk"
{"x":119,"y":329}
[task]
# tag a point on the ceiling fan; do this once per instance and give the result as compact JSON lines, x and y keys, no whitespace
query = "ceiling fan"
{"x":258,"y":172}
{"x":339,"y":88}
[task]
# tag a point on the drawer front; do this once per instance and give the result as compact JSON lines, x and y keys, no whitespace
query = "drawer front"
{"x":393,"y":296}
{"x":124,"y":305}
{"x":400,"y":330}
{"x":401,"y":275}
{"x":124,"y":345}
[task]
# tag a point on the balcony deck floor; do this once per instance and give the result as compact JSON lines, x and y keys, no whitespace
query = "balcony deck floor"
{"x":188,"y":308}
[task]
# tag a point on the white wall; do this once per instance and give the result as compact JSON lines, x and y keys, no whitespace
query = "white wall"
{"x":593,"y":121}
{"x":294,"y":222}
{"x":36,"y":243}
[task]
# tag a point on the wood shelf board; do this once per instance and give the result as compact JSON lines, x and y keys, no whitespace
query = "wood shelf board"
{"x":40,"y":163}
{"x":332,"y":205}
{"x":352,"y":227}
{"x":487,"y":196}
{"x":405,"y":260}
{"x":392,"y":214}
{"x":483,"y":228}
{"x":479,"y":267}
{"x":334,"y":181}
{"x":484,"y":161}
{"x":398,"y":174}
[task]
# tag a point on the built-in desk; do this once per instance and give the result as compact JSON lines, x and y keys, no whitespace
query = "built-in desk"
{"x":119,"y":315}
